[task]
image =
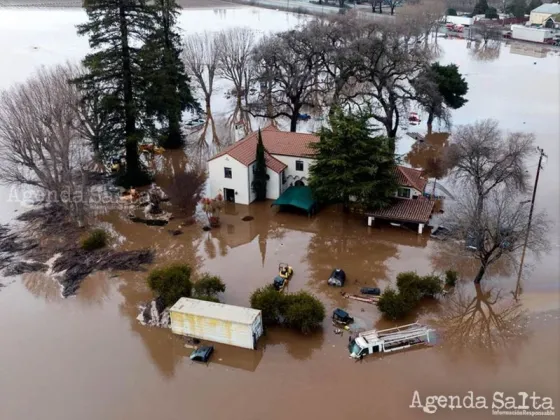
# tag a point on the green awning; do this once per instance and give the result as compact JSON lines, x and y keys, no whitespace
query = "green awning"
{"x":297,"y":196}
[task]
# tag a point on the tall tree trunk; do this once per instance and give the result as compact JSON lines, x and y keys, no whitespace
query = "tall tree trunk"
{"x":430,"y":122}
{"x":480,"y":274}
{"x":380,"y":7}
{"x":293,"y":122}
{"x":434,"y":190}
{"x":132,"y":161}
{"x":392,"y":9}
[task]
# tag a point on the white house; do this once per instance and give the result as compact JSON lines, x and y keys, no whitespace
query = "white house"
{"x":288,"y":156}
{"x":540,"y":15}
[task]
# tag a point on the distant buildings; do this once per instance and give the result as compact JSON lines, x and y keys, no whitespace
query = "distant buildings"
{"x":544,"y":14}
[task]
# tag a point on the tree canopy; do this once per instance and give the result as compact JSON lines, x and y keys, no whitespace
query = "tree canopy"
{"x":352,"y":164}
{"x":480,"y":7}
{"x":517,"y":8}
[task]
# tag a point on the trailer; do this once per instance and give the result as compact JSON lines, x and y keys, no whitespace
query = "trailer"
{"x":218,"y":322}
{"x":527,"y":33}
{"x":390,"y":339}
{"x":460,"y":20}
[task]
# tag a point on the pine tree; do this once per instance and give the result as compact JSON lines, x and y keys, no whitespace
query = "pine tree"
{"x":168,"y":93}
{"x":259,"y":176}
{"x":115,"y":29}
{"x":351,"y":162}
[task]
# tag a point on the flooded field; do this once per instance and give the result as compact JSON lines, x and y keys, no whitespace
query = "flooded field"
{"x":87,"y":357}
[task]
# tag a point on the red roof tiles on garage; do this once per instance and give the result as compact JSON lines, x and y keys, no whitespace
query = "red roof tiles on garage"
{"x":275,"y":142}
{"x":406,"y":210}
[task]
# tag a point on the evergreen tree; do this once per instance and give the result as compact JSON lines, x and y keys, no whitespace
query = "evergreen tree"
{"x":517,"y":8}
{"x":259,"y":176}
{"x":351,"y":163}
{"x":168,"y":93}
{"x":533,"y":4}
{"x":480,"y":7}
{"x":114,"y":68}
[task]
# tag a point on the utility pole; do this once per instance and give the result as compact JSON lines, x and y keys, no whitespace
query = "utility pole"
{"x":539,"y":167}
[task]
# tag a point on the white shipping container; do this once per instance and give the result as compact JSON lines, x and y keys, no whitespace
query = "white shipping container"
{"x":525,"y":33}
{"x":460,"y":20}
{"x":218,"y":322}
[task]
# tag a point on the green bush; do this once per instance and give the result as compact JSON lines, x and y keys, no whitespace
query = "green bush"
{"x":270,"y":302}
{"x":96,"y":239}
{"x":209,"y":286}
{"x":171,"y":283}
{"x":303,"y":311}
{"x":451,"y":277}
{"x":395,"y":305}
{"x":416,"y":287}
{"x":430,"y":286}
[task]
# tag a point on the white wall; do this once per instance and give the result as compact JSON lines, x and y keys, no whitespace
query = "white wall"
{"x":273,"y":184}
{"x":291,"y":174}
{"x":538,"y":18}
{"x":239,"y":178}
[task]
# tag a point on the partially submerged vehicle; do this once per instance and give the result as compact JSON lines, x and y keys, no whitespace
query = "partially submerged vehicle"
{"x":337,"y":278}
{"x":285,"y":273}
{"x":340,"y":316}
{"x":390,"y":339}
{"x":196,"y":122}
{"x":202,"y":354}
{"x":374,"y":291}
{"x":304,"y":117}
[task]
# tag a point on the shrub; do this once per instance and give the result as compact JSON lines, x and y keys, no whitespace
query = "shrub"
{"x":451,"y":12}
{"x":171,"y":283}
{"x":96,"y":239}
{"x":209,"y":286}
{"x":395,"y":305}
{"x":416,"y":287}
{"x":207,"y":298}
{"x":451,"y":277}
{"x":430,"y":286}
{"x":303,"y":311}
{"x":270,"y":302}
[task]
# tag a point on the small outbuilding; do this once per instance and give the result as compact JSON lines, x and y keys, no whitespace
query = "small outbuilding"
{"x":416,"y":211}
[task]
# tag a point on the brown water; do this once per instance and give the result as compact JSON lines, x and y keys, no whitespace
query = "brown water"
{"x":87,"y":357}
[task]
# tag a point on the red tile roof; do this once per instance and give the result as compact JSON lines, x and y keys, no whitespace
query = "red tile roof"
{"x":406,"y":210}
{"x":410,"y":177}
{"x":275,"y":142}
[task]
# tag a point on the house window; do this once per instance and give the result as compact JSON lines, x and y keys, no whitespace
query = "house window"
{"x":403,"y":192}
{"x":299,"y":165}
{"x":283,"y":177}
{"x":227,"y":173}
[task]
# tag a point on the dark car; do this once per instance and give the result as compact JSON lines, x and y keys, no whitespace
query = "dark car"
{"x":202,"y":354}
{"x":304,"y":117}
{"x":375,"y":291}
{"x":342,"y":317}
{"x":337,"y":278}
{"x":279,"y":283}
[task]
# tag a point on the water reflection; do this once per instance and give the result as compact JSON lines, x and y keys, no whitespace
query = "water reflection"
{"x":487,"y":324}
{"x":485,"y":51}
{"x":298,"y":346}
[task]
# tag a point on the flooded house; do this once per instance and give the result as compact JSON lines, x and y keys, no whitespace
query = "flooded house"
{"x":288,"y":157}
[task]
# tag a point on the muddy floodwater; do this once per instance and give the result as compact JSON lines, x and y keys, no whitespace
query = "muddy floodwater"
{"x":86,"y":357}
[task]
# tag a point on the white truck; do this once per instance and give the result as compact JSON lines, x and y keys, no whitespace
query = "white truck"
{"x":460,"y":20}
{"x":390,"y":339}
{"x":218,"y":322}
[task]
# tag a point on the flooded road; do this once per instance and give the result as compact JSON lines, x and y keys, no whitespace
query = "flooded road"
{"x":87,"y":357}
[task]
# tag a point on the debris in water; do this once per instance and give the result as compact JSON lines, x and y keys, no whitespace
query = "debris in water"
{"x":175,"y":232}
{"x":247,"y":218}
{"x":154,"y":314}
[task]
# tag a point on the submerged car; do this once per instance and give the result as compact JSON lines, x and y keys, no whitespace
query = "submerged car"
{"x":337,"y":278}
{"x":202,"y":354}
{"x":340,"y":316}
{"x":374,"y":291}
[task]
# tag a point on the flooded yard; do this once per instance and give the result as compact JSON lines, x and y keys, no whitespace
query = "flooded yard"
{"x":87,"y":357}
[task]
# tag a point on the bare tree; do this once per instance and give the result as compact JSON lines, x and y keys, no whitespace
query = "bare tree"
{"x":40,"y":141}
{"x":484,"y":31}
{"x":375,"y":3}
{"x":484,"y":157}
{"x":201,"y":58}
{"x":389,"y":61}
{"x":287,"y":67}
{"x":235,"y":46}
{"x":424,"y":16}
{"x":499,"y":230}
